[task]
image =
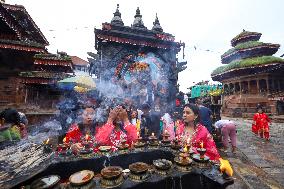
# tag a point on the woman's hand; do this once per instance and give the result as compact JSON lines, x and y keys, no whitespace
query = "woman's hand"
{"x":123,"y":115}
{"x":76,"y":147}
{"x":112,"y":115}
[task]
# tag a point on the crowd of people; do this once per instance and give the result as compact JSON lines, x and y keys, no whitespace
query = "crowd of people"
{"x":125,"y":123}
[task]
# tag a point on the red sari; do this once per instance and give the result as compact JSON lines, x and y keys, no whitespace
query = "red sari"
{"x":201,"y":134}
{"x":261,"y":126}
{"x":74,"y":134}
{"x":106,"y":135}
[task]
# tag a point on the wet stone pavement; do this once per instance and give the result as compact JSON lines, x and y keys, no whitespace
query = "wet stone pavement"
{"x":258,"y":163}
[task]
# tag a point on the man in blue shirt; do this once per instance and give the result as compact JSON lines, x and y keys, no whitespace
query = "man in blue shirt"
{"x":205,"y":115}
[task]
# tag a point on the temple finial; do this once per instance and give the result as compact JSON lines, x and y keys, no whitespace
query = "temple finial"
{"x":156,"y":25}
{"x":116,"y":20}
{"x":138,"y":23}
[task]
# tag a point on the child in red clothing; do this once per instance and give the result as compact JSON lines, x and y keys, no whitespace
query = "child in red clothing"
{"x":261,"y":122}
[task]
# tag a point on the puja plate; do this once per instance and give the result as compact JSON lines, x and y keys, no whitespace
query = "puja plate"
{"x":154,"y":145}
{"x":183,"y":162}
{"x":175,"y":147}
{"x":111,"y":172}
{"x":138,"y":167}
{"x":111,"y":183}
{"x":86,"y":151}
{"x":139,"y":177}
{"x":162,"y":164}
{"x":139,"y":144}
{"x":196,"y":157}
{"x":45,"y":182}
{"x":163,"y":172}
{"x":166,"y":144}
{"x":123,"y":147}
{"x":82,"y":177}
{"x":184,"y":169}
{"x":90,"y":185}
{"x":65,"y":153}
{"x":104,"y":148}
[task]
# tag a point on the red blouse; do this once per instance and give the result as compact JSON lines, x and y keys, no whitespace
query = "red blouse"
{"x":74,"y":134}
{"x":106,"y":135}
{"x":201,"y":134}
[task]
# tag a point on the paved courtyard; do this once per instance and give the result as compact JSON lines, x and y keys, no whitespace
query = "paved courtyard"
{"x":258,"y":163}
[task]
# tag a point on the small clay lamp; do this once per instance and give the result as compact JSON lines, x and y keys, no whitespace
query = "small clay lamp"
{"x":47,"y":148}
{"x":123,"y":145}
{"x":139,"y":138}
{"x":64,"y":146}
{"x":139,"y":143}
{"x":201,"y":151}
{"x":123,"y":142}
{"x":166,"y":136}
{"x":176,"y":141}
{"x":152,"y":139}
{"x":184,"y":156}
{"x":87,"y":142}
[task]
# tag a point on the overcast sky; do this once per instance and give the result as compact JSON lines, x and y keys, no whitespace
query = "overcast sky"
{"x":208,"y":25}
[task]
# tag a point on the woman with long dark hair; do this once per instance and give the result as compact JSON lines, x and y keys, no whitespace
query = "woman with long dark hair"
{"x":84,"y":127}
{"x":196,"y":134}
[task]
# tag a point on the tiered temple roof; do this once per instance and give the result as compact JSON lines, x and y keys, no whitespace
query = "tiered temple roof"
{"x":53,"y":67}
{"x":53,"y":60}
{"x":137,"y":34}
{"x":19,"y":33}
{"x":247,"y":56}
{"x":18,"y":30}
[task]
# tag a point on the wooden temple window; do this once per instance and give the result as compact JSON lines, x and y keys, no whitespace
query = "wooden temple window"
{"x":237,"y":88}
{"x":231,"y":88}
{"x":226,"y":90}
{"x":262,"y":86}
{"x":281,"y":81}
{"x":276,"y":85}
{"x":271,"y":85}
{"x":244,"y":87}
{"x":253,"y":87}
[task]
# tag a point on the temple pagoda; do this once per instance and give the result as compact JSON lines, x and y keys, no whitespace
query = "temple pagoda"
{"x":27,"y":70}
{"x":142,"y":60}
{"x":251,"y":76}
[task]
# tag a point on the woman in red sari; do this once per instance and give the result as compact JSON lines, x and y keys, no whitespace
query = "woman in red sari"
{"x":77,"y":131}
{"x":195,"y":133}
{"x":117,"y":128}
{"x":260,"y":124}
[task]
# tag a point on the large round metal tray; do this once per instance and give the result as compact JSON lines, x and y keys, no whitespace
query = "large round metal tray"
{"x":111,"y":172}
{"x":139,"y":167}
{"x":81,"y":177}
{"x":45,"y":182}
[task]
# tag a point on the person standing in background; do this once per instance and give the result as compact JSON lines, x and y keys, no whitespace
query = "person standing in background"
{"x":150,"y":121}
{"x":205,"y":115}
